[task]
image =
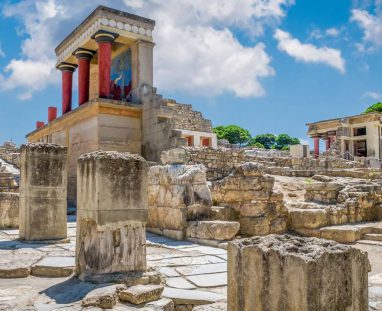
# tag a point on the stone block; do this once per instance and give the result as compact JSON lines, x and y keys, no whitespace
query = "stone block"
{"x":308,"y":218}
{"x":103,"y":297}
{"x":283,"y":272}
{"x":213,"y":230}
{"x":141,"y":293}
{"x":9,"y":210}
{"x":111,"y":213}
{"x":43,"y":189}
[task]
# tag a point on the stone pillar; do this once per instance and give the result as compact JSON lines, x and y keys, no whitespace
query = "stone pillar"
{"x":84,"y":57}
{"x":43,"y":184}
{"x":52,"y":113}
{"x":283,"y":272}
{"x":67,"y":84}
{"x":104,"y":40}
{"x":316,"y":146}
{"x":112,"y":210}
{"x":39,"y":124}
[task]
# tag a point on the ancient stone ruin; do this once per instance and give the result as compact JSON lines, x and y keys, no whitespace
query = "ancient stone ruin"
{"x":283,"y":272}
{"x":43,"y":192}
{"x":112,"y":214}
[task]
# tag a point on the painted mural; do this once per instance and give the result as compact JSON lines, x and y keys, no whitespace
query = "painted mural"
{"x":121,"y":76}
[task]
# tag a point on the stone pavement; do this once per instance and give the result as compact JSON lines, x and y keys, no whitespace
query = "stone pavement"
{"x":39,"y":275}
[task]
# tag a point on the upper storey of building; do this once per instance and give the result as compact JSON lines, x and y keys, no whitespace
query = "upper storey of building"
{"x":129,"y":28}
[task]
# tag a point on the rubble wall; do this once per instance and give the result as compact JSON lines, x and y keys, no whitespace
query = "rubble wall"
{"x":9,"y":210}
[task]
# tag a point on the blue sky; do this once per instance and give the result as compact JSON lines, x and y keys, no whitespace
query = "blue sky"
{"x":269,"y":66}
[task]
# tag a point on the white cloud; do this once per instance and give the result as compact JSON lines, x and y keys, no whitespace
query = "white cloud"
{"x":332,"y":32}
{"x":372,"y":95}
{"x":309,"y":53}
{"x":2,"y":54}
{"x":318,"y":34}
{"x":371,"y":26}
{"x":196,"y":49}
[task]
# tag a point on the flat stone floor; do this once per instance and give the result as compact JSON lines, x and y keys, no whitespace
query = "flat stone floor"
{"x":194,"y":274}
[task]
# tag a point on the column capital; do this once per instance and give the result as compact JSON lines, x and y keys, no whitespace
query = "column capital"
{"x":84,"y":53}
{"x":105,"y":36}
{"x":66,"y":67}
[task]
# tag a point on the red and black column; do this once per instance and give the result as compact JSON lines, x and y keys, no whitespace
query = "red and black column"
{"x":67,"y":85}
{"x":84,"y":56}
{"x":104,"y":40}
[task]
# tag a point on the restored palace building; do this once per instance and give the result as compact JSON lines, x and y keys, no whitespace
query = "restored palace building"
{"x":118,"y":107}
{"x":354,"y":136}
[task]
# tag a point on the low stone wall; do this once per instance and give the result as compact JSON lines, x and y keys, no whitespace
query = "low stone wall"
{"x":9,"y":210}
{"x":177,"y":193}
{"x":12,"y":158}
{"x":259,"y":209}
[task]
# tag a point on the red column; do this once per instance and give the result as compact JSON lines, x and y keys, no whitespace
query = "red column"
{"x":105,"y":41}
{"x":39,"y":124}
{"x":327,"y":143}
{"x":52,"y":113}
{"x":316,"y":147}
{"x":67,"y":84}
{"x":84,"y":57}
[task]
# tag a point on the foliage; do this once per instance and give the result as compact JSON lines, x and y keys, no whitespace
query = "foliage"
{"x":258,"y":145}
{"x":377,"y":107}
{"x":267,"y":140}
{"x":284,"y":140}
{"x":233,"y":133}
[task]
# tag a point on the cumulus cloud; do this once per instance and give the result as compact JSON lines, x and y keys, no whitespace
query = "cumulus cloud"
{"x":371,"y":25}
{"x":309,"y":53}
{"x":2,"y":54}
{"x":372,"y":95}
{"x":196,"y":47}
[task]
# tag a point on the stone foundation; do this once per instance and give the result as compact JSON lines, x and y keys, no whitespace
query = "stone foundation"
{"x":43,"y":192}
{"x":111,"y":215}
{"x":177,"y":194}
{"x":9,"y":210}
{"x":249,"y":192}
{"x":294,"y":273}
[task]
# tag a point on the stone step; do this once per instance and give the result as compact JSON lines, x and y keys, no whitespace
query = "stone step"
{"x":373,"y":236}
{"x":377,"y":230}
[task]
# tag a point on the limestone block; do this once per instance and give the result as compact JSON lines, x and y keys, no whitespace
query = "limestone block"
{"x":141,"y":293}
{"x":43,"y":190}
{"x":111,"y":213}
{"x":9,"y":210}
{"x":308,"y":218}
{"x":163,"y":304}
{"x":173,"y":156}
{"x":282,"y":272}
{"x":104,"y":297}
{"x":213,"y":230}
{"x":341,"y":234}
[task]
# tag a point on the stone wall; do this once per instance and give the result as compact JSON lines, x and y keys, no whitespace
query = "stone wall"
{"x":161,"y":121}
{"x":260,"y":210}
{"x":13,"y":158}
{"x":177,"y":194}
{"x":9,"y":210}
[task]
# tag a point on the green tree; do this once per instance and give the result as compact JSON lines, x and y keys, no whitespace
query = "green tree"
{"x":284,"y":140}
{"x":258,"y":145}
{"x":267,"y":140}
{"x":377,"y":107}
{"x":233,"y":133}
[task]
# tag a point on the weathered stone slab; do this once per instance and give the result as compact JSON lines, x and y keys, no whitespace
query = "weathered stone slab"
{"x":169,"y":272}
{"x":203,"y":269}
{"x":103,"y":297}
{"x":9,"y":210}
{"x":218,"y":306}
{"x":191,"y":297}
{"x":54,"y":267}
{"x":213,"y":230}
{"x":17,"y":263}
{"x":179,"y":282}
{"x":163,"y":304}
{"x":43,"y":189}
{"x":141,"y":293}
{"x":112,"y":213}
{"x":209,"y":280}
{"x":283,"y":272}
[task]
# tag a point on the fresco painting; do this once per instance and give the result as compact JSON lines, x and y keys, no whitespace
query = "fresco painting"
{"x":121,"y":76}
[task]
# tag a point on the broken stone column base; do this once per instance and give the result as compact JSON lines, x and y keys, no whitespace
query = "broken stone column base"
{"x":128,"y":278}
{"x":107,"y":249}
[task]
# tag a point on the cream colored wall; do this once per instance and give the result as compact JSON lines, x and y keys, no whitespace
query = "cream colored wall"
{"x":198,"y":135}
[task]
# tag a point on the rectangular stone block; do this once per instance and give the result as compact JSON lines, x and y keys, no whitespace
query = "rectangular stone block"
{"x":43,"y":189}
{"x":283,"y":272}
{"x":112,"y":213}
{"x":9,"y":210}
